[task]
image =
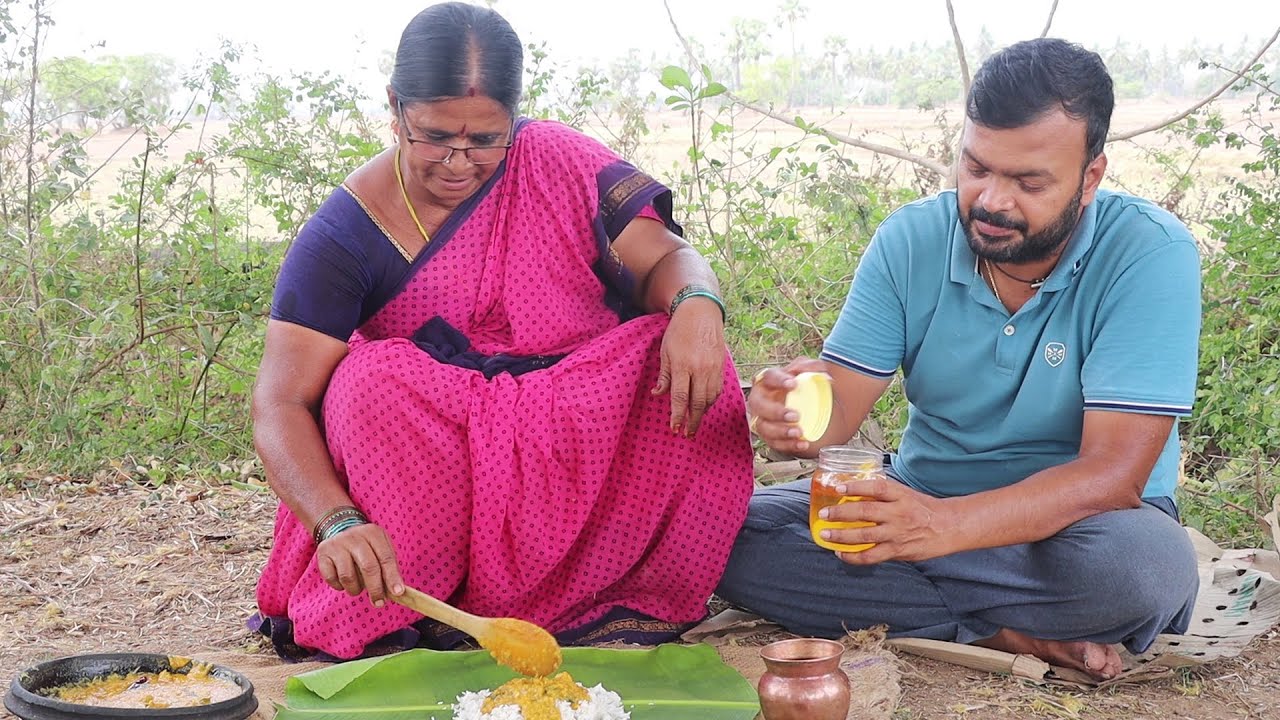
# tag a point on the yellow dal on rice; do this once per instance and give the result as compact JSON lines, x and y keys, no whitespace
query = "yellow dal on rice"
{"x":536,"y":696}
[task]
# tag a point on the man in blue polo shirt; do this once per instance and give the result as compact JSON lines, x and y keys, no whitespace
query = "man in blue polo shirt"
{"x":1046,"y":331}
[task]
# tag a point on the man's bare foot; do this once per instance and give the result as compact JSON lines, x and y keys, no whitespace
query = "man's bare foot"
{"x":1100,"y":661}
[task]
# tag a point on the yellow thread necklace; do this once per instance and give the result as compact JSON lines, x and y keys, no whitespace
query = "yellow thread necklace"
{"x":426,"y":239}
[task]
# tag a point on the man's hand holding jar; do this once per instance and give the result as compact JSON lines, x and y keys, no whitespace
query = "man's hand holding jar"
{"x":856,"y":510}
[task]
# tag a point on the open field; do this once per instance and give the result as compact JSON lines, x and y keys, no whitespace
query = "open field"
{"x":663,"y":152}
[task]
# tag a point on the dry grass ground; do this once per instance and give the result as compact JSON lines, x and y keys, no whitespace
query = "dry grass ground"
{"x":112,"y":565}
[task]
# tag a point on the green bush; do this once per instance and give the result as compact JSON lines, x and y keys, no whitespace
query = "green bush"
{"x":1233,"y":439}
{"x":136,"y":324}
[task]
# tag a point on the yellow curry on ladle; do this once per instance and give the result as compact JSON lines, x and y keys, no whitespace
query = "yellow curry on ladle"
{"x":521,"y":646}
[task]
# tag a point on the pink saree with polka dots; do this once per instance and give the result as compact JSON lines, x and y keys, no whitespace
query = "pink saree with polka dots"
{"x":556,"y":495}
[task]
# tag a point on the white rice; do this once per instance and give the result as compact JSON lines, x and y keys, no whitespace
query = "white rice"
{"x":600,"y":705}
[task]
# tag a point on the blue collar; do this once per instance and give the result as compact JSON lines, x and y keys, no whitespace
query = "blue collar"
{"x":964,"y":264}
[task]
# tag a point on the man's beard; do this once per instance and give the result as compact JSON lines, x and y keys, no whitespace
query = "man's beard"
{"x":1033,"y":248}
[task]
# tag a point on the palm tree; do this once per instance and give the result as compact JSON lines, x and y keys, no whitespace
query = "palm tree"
{"x":746,"y":45}
{"x":794,"y":12}
{"x":835,"y":47}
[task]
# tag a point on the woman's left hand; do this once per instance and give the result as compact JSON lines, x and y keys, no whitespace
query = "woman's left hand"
{"x":692,"y":367}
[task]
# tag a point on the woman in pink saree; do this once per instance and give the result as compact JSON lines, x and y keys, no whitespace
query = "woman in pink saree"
{"x":496,"y":373}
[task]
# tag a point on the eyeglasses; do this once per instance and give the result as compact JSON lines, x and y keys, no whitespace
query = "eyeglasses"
{"x":441,"y":153}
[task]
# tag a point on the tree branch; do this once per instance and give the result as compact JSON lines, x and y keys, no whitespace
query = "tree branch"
{"x":955,"y":35}
{"x":1159,"y":125}
{"x":150,"y":334}
{"x":36,"y":298}
{"x":1048,"y":23}
{"x":942,"y":171}
{"x":137,"y":246}
{"x":1266,"y":87}
{"x":200,"y":380}
{"x":84,"y":181}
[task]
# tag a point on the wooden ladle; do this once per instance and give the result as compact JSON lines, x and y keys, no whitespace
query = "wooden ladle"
{"x":520,"y":645}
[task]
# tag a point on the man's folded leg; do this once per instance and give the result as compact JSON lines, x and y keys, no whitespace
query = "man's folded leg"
{"x":778,"y":572}
{"x":1117,"y":577}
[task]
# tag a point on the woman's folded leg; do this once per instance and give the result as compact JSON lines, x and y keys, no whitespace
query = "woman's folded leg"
{"x":394,"y":425}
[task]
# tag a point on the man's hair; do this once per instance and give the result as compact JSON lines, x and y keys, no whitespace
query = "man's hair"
{"x":1022,"y":82}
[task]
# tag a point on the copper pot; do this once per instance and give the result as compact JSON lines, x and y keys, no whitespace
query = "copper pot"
{"x":803,"y":681}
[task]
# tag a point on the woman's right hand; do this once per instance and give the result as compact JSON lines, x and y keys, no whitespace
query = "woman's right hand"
{"x":771,"y":420}
{"x":297,"y":365}
{"x":361,"y":558}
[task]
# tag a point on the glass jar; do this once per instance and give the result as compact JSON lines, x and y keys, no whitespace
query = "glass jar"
{"x":836,"y":466}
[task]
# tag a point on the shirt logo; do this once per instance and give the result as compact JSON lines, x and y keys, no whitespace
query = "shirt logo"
{"x":1055,"y":353}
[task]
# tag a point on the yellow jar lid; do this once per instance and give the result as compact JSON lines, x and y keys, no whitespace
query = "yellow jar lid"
{"x":811,"y":398}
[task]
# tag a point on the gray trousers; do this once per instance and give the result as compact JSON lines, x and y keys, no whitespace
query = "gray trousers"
{"x":1119,"y":577}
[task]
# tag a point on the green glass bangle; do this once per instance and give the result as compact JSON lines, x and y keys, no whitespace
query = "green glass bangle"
{"x":697,"y":291}
{"x":340,"y":526}
{"x":333,"y":517}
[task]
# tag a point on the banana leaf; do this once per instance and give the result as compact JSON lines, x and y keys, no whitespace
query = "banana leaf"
{"x":668,"y":682}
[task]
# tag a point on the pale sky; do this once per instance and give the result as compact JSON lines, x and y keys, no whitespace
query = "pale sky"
{"x":349,"y":37}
